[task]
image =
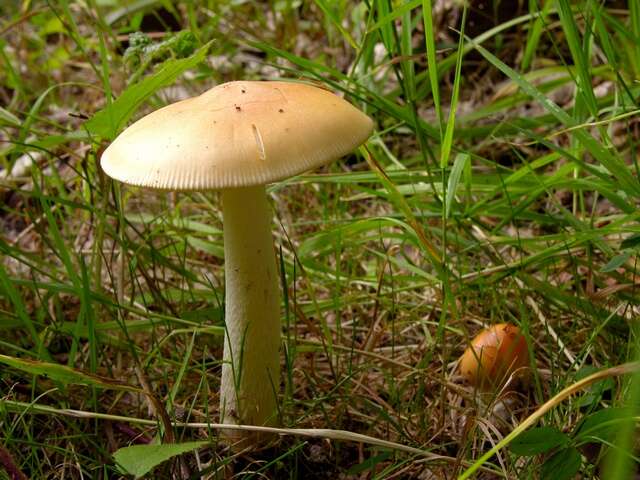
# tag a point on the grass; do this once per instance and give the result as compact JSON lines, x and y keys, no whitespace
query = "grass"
{"x":500,"y":185}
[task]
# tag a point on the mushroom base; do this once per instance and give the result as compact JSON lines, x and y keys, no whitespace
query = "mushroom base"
{"x":251,"y":368}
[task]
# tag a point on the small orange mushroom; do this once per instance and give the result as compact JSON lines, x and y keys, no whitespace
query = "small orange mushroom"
{"x":495,"y":354}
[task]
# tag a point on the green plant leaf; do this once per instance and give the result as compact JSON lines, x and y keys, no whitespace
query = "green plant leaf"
{"x":111,"y":119}
{"x":632,"y":242}
{"x":603,"y":423}
{"x":538,"y":440}
{"x":562,"y":465}
{"x":594,"y":393}
{"x":616,"y":261}
{"x":139,"y":460}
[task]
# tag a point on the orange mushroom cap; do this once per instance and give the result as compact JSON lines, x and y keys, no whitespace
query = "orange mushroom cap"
{"x":493,"y":355}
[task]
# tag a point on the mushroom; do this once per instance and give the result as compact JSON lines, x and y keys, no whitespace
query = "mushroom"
{"x":494,"y":355}
{"x":236,"y":138}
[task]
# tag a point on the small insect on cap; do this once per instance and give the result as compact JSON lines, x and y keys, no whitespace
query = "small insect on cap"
{"x":237,"y":134}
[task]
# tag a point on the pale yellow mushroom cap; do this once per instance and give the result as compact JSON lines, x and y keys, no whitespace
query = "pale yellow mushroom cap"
{"x":236,"y":134}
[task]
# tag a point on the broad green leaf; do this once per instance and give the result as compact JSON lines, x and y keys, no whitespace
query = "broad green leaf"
{"x":139,"y":460}
{"x":563,"y":465}
{"x":603,"y":423}
{"x":594,"y":392}
{"x":64,"y":374}
{"x":631,"y":242}
{"x":538,"y":440}
{"x":616,"y":262}
{"x":111,"y":119}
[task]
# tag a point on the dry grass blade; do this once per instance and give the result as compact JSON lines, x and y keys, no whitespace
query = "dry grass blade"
{"x":321,"y":433}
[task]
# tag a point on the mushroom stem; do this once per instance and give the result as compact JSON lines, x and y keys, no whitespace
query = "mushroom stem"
{"x":251,"y":368}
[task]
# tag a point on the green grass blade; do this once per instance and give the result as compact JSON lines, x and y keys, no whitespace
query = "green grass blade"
{"x":394,"y":14}
{"x":584,"y":84}
{"x":447,"y":141}
{"x":21,"y":311}
{"x":605,"y":156}
{"x":108,"y":122}
{"x":535,"y":32}
{"x":461,"y":163}
{"x":327,"y":9}
{"x":430,"y":46}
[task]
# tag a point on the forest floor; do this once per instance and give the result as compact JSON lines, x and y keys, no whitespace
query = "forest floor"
{"x":500,"y":185}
